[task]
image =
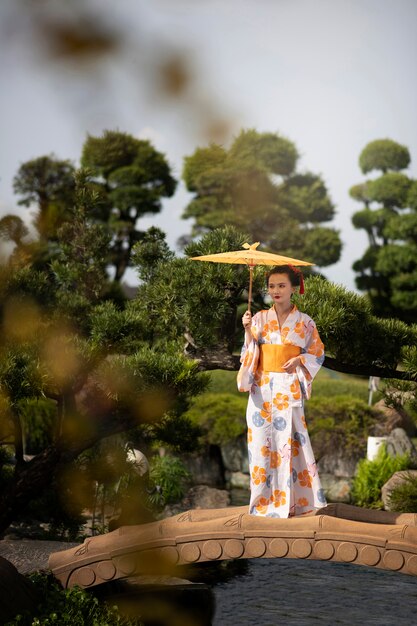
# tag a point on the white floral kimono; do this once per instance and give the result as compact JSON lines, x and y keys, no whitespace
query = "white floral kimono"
{"x":284,"y":478}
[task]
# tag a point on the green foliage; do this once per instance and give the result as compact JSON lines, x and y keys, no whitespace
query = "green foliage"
{"x":49,"y":184}
{"x":349,"y":330}
{"x":213,"y":157}
{"x":39,"y":418}
{"x":221,"y":416}
{"x":175,"y":431}
{"x":372,"y":475}
{"x":151,"y":251}
{"x":403,"y":498}
{"x":12,"y":228}
{"x":322,"y":245}
{"x":193,"y":298}
{"x":254,"y":187}
{"x":20,"y":376}
{"x":130,"y":177}
{"x":116,"y":330}
{"x":65,"y":340}
{"x":80,"y":269}
{"x":270,"y":151}
{"x":75,"y":607}
{"x":340,"y":422}
{"x":384,"y":155}
{"x":390,"y":189}
{"x":168,"y":477}
{"x":388,"y":269}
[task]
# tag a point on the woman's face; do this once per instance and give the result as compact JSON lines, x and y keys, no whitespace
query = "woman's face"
{"x":280,"y":289}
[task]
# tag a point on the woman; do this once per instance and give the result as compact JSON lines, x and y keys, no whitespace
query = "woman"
{"x":280,"y":357}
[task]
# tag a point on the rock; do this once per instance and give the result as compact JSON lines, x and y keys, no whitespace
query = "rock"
{"x":206,"y":468}
{"x":336,"y":489}
{"x":235,"y":455}
{"x":17,"y":593}
{"x":338,"y":465}
{"x":396,"y":479}
{"x":200,"y":497}
{"x":238,"y":479}
{"x":399,"y":443}
{"x":396,"y":418}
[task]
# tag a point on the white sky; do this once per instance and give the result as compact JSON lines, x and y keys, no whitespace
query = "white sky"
{"x":331,"y":75}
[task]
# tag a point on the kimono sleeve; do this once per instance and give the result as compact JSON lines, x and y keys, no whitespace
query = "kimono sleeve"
{"x":249,"y":358}
{"x":312,"y":356}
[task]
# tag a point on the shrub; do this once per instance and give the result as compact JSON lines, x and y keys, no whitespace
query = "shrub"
{"x":221,"y":416}
{"x":340,"y":423}
{"x":168,"y":477}
{"x":372,"y":475}
{"x":403,"y":498}
{"x":75,"y":607}
{"x":39,"y":418}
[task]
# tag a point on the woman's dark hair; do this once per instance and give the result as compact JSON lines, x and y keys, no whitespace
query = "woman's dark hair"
{"x":293,"y":274}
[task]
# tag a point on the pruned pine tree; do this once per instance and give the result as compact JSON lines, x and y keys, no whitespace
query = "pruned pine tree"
{"x":131,"y":178}
{"x":387,"y":271}
{"x":199,"y":304}
{"x":255,"y":186}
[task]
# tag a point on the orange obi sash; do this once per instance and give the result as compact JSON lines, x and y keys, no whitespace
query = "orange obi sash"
{"x":273,"y":357}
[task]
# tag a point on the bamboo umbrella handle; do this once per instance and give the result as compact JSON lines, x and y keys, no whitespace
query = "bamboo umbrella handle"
{"x":250,"y":287}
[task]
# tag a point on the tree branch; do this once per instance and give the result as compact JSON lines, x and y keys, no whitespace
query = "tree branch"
{"x":219,"y":358}
{"x":366,"y":370}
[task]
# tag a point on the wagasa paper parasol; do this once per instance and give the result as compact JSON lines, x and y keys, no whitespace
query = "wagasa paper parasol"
{"x":251,"y":257}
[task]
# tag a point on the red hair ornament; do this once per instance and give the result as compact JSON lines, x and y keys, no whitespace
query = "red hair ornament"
{"x":300,"y":276}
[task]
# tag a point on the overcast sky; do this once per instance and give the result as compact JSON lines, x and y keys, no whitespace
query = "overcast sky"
{"x":331,"y":75}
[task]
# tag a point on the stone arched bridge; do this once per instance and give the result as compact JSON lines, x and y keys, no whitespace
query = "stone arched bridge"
{"x":337,"y":532}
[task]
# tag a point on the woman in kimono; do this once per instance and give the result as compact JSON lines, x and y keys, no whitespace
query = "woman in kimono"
{"x":281,"y":355}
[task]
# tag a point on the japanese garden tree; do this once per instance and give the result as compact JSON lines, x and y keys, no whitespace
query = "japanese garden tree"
{"x":128,"y":176}
{"x":131,"y":177}
{"x":387,"y":270}
{"x":65,"y":344}
{"x":255,"y":186}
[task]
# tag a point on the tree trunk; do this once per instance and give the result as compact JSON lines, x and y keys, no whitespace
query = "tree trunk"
{"x":28,"y":480}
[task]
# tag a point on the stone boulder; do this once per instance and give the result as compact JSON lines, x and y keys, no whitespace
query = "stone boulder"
{"x":399,"y":443}
{"x":237,"y":480}
{"x":395,"y":418}
{"x":199,"y":497}
{"x":399,"y":478}
{"x":336,"y":489}
{"x":339,"y":463}
{"x":17,"y":593}
{"x":206,"y":467}
{"x":235,"y":455}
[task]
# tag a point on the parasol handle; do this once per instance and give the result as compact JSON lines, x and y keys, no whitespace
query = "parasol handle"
{"x":250,"y":287}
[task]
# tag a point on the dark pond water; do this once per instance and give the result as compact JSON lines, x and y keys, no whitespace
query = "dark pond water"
{"x":271,"y":592}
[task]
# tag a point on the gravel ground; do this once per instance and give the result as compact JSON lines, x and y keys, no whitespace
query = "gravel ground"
{"x":30,"y":555}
